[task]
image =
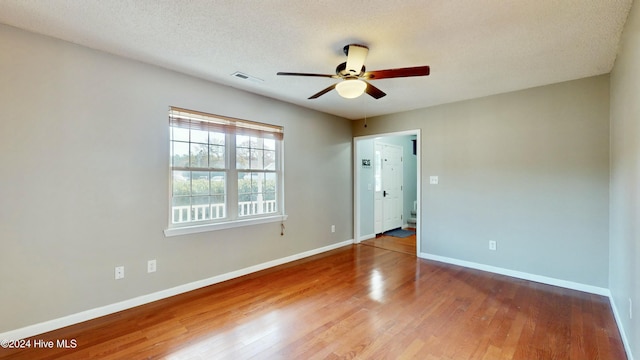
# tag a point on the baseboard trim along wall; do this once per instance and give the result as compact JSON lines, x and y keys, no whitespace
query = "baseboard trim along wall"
{"x":544,"y":280}
{"x":36,"y":329}
{"x":519,"y":274}
{"x":623,"y":335}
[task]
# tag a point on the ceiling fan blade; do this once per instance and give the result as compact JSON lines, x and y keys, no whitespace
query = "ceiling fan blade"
{"x":317,"y":95}
{"x":374,"y":91}
{"x":308,"y":74}
{"x":396,"y":73}
{"x":356,"y":55}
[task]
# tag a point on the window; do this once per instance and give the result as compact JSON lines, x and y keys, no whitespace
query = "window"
{"x":225,"y":172}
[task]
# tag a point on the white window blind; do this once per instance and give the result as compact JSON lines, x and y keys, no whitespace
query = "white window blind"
{"x":198,"y":120}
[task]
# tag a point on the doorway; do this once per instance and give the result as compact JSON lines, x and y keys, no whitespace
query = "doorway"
{"x":369,"y":193}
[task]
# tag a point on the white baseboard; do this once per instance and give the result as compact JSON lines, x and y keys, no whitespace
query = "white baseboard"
{"x":36,"y":329}
{"x":520,"y":275}
{"x":623,"y":335}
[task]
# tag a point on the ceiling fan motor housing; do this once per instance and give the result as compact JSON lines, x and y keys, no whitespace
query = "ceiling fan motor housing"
{"x":341,"y":70}
{"x":356,"y":55}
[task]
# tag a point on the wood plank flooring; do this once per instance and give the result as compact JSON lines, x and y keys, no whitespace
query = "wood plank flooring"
{"x":354,"y":302}
{"x":405,"y":245}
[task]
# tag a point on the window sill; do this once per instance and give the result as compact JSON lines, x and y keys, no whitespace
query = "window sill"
{"x":185,"y":230}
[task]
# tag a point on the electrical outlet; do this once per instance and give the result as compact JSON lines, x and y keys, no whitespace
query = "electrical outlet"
{"x":151,"y":266}
{"x":119,"y":274}
{"x":433,"y":180}
{"x":333,"y":228}
{"x":492,"y":245}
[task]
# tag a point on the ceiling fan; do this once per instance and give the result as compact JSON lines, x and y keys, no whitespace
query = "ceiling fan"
{"x":354,"y":75}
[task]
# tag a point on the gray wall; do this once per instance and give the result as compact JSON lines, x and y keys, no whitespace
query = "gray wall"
{"x":529,"y":169}
{"x":84,"y":154}
{"x":366,"y":179}
{"x":624,"y":259}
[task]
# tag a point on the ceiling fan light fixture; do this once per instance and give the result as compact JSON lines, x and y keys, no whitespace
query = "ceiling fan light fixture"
{"x":351,"y":88}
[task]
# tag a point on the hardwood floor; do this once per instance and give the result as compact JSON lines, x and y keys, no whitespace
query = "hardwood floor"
{"x":405,"y":245}
{"x":356,"y":301}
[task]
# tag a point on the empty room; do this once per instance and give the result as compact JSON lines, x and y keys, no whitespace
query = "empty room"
{"x":319,"y":180}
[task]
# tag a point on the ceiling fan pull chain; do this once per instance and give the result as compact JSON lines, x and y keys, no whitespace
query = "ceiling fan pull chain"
{"x":365,"y":113}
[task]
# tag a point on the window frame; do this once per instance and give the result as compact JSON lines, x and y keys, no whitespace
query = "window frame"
{"x":231,"y":127}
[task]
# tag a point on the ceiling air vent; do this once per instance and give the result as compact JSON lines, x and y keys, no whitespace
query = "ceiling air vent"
{"x":243,"y":76}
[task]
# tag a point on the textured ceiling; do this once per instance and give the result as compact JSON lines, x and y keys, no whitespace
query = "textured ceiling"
{"x":475,"y":47}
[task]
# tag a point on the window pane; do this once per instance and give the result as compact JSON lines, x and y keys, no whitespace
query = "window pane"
{"x":180,"y":209}
{"x":257,"y":143}
{"x":216,"y":138}
{"x":243,"y":156}
{"x":179,"y":154}
{"x":269,"y":160}
{"x":243,"y":141}
{"x":269,"y":144}
{"x":199,"y":155}
{"x":218,"y":199}
{"x":216,"y":156}
{"x":270,"y":203}
{"x":218,"y":183}
{"x":200,"y":183}
{"x":251,"y":153}
{"x":244,"y":186}
{"x":243,"y":152}
{"x":256,"y":193}
{"x":218,"y":207}
{"x":257,"y":160}
{"x":199,"y":136}
{"x":181,"y":183}
{"x":270,"y":182}
{"x":179,"y":134}
{"x":200,"y":208}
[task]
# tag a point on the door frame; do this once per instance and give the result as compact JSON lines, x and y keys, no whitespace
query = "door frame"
{"x":357,"y":235}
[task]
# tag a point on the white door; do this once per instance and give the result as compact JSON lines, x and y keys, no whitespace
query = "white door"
{"x":388,"y":195}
